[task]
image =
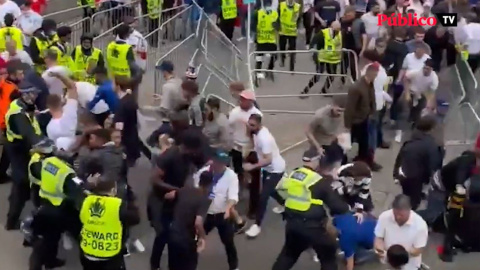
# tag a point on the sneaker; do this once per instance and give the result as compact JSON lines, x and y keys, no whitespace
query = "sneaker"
{"x":315,"y":258}
{"x":307,"y":47}
{"x":139,"y":247}
{"x":398,"y":136}
{"x":241,"y":38}
{"x":375,"y":167}
{"x":304,"y":93}
{"x":260,"y":75}
{"x":240,"y":227}
{"x":67,"y":242}
{"x":253,"y":231}
{"x":278,"y":209}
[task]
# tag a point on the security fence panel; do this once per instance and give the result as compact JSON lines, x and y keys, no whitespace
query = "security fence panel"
{"x":107,"y":16}
{"x":77,"y":31}
{"x":67,"y":16}
{"x":468,"y":81}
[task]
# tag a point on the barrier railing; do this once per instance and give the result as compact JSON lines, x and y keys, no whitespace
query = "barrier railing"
{"x":67,"y":16}
{"x":107,"y":18}
{"x":77,"y":31}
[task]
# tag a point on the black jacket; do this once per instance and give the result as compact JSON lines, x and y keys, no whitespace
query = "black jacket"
{"x":394,"y":55}
{"x":419,"y":158}
{"x":458,"y":171}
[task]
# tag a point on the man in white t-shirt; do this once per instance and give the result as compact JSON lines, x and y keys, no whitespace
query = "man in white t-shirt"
{"x":29,"y":21}
{"x":402,"y":226}
{"x":272,"y":165}
{"x":138,"y":42}
{"x":64,"y":116}
{"x":370,"y":20}
{"x":7,"y":6}
{"x":13,"y":53}
{"x":55,"y":85}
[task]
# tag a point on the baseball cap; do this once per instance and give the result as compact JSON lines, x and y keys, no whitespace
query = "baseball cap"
{"x":222,"y":157}
{"x":310,"y":155}
{"x":26,"y":87}
{"x":248,"y":94}
{"x":166,"y":66}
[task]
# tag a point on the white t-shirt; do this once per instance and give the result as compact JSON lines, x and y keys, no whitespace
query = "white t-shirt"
{"x":419,"y":83}
{"x":264,"y":144}
{"x":9,"y":7}
{"x":411,"y":62}
{"x":371,"y":24}
{"x":413,"y":234}
{"x":55,"y":85}
{"x":21,"y":55}
{"x":237,"y":120}
{"x":86,"y":92}
{"x":29,"y":22}
{"x":65,"y":126}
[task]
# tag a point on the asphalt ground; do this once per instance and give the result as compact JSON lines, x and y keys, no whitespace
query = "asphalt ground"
{"x":288,"y":129}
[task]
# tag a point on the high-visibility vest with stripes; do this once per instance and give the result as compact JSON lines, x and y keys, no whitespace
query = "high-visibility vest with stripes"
{"x":91,"y":3}
{"x":154,"y":8}
{"x":229,"y":9}
{"x":42,"y":46}
{"x":297,"y":186}
{"x":53,"y":175}
{"x":288,"y":19}
{"x":265,"y":30}
{"x":13,"y":109}
{"x":36,"y":157}
{"x":8,"y":34}
{"x":64,"y":58}
{"x":332,"y":49}
{"x":117,"y":62}
{"x":101,"y":235}
{"x":81,"y":63}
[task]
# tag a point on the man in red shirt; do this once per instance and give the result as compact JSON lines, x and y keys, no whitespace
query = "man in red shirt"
{"x":38,"y":5}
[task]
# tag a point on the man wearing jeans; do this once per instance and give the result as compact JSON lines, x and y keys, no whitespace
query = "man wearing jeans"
{"x":273,"y":168}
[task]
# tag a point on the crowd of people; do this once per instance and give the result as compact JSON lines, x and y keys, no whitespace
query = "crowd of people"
{"x":70,"y":124}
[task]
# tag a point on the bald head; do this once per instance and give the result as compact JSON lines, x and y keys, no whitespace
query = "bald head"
{"x":336,"y":25}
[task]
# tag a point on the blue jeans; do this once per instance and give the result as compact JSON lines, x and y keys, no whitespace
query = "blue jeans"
{"x":396,"y":108}
{"x":372,"y":134}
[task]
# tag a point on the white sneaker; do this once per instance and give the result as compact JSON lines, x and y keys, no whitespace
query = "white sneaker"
{"x":278,"y":209}
{"x":139,"y":247}
{"x":398,"y":136}
{"x":67,"y":242}
{"x":253,"y":231}
{"x":240,"y":39}
{"x":307,"y":47}
{"x":260,"y":75}
{"x":315,"y":258}
{"x":251,"y":40}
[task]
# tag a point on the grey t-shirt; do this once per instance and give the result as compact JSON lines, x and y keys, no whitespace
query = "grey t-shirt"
{"x":325,"y":127}
{"x":218,"y":132}
{"x":172,"y":95}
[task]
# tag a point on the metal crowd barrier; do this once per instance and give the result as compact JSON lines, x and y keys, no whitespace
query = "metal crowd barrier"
{"x":67,"y":16}
{"x":105,"y":19}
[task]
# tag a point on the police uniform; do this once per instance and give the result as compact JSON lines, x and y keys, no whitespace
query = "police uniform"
{"x":22,"y":131}
{"x":81,"y":63}
{"x":329,"y":46}
{"x":305,"y":193}
{"x":228,"y":17}
{"x":289,"y":17}
{"x":118,"y":59}
{"x":102,"y":233}
{"x":266,"y":36}
{"x":11,"y":33}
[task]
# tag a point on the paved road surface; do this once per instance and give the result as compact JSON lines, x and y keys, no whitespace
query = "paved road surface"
{"x":258,"y":254}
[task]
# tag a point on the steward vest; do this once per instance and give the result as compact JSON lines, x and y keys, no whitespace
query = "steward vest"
{"x":117,"y":62}
{"x":229,"y":9}
{"x":90,"y":3}
{"x":36,"y":157}
{"x":297,"y":186}
{"x":332,"y":50}
{"x":154,"y":8}
{"x":42,"y":46}
{"x":288,"y":19}
{"x":13,"y":109}
{"x":101,"y":235}
{"x":8,"y":34}
{"x":265,"y":29}
{"x":64,"y":57}
{"x":53,"y":175}
{"x":81,"y":63}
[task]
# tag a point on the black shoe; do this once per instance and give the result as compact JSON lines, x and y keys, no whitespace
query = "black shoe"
{"x":55,"y":264}
{"x":241,"y":227}
{"x":304,"y":93}
{"x":446,"y":257}
{"x":27,"y":243}
{"x":12,"y":226}
{"x":376,"y":167}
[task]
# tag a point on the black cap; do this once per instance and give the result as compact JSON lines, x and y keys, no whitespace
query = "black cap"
{"x":310,"y":155}
{"x":166,"y":66}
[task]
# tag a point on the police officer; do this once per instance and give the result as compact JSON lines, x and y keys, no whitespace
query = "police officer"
{"x":228,"y":18}
{"x":85,"y":59}
{"x":120,"y":57}
{"x":42,"y":39}
{"x":104,"y":218}
{"x":328,"y":42}
{"x":10,"y":32}
{"x":62,"y":46}
{"x":22,"y":131}
{"x":266,"y":39}
{"x":289,"y":12}
{"x":305,"y":193}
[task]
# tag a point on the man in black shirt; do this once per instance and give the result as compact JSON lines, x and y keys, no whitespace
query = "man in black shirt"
{"x":325,"y":13}
{"x":191,"y":207}
{"x":354,"y":38}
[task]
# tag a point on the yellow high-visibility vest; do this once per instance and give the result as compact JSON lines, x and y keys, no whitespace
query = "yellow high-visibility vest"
{"x":117,"y":62}
{"x":81,"y":64}
{"x":91,"y":3}
{"x":42,"y":46}
{"x":64,"y":58}
{"x":265,"y":29}
{"x":297,"y":186}
{"x":13,"y":109}
{"x":11,"y":33}
{"x":154,"y":8}
{"x":36,"y":157}
{"x":289,"y":19}
{"x":54,"y":173}
{"x":332,"y":50}
{"x":229,"y":9}
{"x":101,"y":235}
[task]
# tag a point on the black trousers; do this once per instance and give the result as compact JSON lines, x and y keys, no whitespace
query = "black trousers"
{"x":87,"y":13}
{"x":227,"y":27}
{"x":4,"y":161}
{"x":226,"y":231}
{"x":298,"y":238}
{"x":307,"y":24}
{"x":359,"y":134}
{"x":288,"y":43}
{"x":348,"y":64}
{"x":412,"y":187}
{"x":115,"y":263}
{"x":474,"y":62}
{"x":266,"y":47}
{"x":182,"y":251}
{"x":101,"y":117}
{"x":153,"y":25}
{"x":323,"y":67}
{"x":162,"y":232}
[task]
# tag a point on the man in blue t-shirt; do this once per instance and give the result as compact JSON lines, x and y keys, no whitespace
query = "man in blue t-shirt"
{"x":355,"y":238}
